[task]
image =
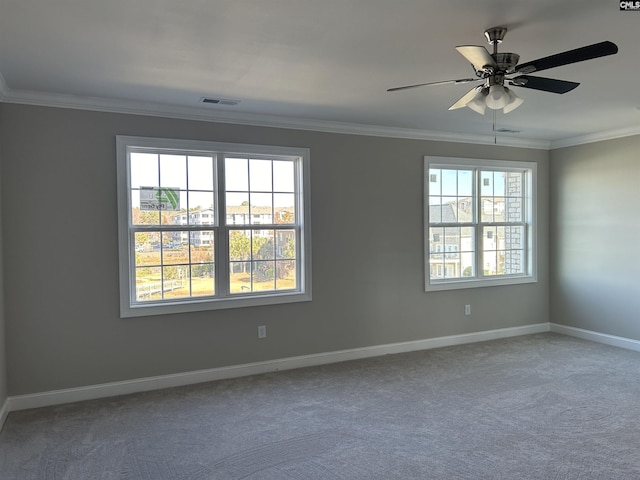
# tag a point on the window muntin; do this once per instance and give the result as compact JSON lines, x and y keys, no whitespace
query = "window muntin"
{"x":230,"y":227}
{"x":479,"y":217}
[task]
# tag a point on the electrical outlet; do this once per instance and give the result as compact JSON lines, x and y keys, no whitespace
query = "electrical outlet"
{"x":262,"y":331}
{"x":467,"y":309}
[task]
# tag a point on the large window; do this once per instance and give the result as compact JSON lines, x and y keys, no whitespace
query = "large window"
{"x":479,"y":223}
{"x":211,"y":225}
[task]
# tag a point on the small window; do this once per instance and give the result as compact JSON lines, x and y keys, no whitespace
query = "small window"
{"x":481,"y":215}
{"x":188,"y":217}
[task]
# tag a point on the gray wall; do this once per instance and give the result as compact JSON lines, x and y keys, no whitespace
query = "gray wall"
{"x":595,"y":232}
{"x":3,"y":344}
{"x":61,"y":262}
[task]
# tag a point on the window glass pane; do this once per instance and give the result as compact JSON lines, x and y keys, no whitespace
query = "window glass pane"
{"x":203,"y":279}
{"x":514,"y":184}
{"x":261,"y":206}
{"x":514,"y":250}
{"x":514,"y":237}
{"x":263,"y":275}
{"x":285,"y":244}
{"x":260,"y":176}
{"x":436,"y":266}
{"x":436,"y":240}
{"x":283,"y":176}
{"x":263,"y":245}
{"x":142,"y":217}
{"x":467,"y":252}
{"x":237,"y":209}
{"x":449,"y":182}
{"x":486,"y":211}
{"x":514,"y":209}
{"x":240,"y":277}
{"x":435,"y":184}
{"x":452,"y":252}
{"x":148,"y":283}
{"x":144,"y":170}
{"x":465,"y":183}
{"x":173,"y":171}
{"x":498,"y":209}
{"x":201,"y":210}
{"x":239,"y":245}
{"x":492,"y":242}
{"x":202,"y":244}
{"x":285,"y":208}
{"x":236,"y":174}
{"x":175,"y":248}
{"x":467,"y":263}
{"x":490,"y":263}
{"x":252,"y":254}
{"x":464,"y":210}
{"x":435,"y":210}
{"x":449,"y":210}
{"x":200,"y":173}
{"x":147,"y":250}
{"x":486,"y":184}
{"x":286,"y":275}
{"x":499,"y":184}
{"x":176,"y":281}
{"x":514,"y":262}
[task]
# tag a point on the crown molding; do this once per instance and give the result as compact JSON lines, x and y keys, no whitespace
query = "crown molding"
{"x":100,"y":104}
{"x":595,"y":137}
{"x":26,"y":97}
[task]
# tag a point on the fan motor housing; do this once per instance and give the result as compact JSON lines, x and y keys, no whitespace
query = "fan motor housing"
{"x":506,"y":61}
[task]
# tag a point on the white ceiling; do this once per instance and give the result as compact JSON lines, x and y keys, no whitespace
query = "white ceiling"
{"x":311,"y":62}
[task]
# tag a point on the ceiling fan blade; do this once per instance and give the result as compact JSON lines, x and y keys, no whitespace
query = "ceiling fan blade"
{"x":465,"y":99}
{"x":478,"y":56}
{"x":545,"y":84}
{"x":589,"y":52}
{"x":445,"y":82}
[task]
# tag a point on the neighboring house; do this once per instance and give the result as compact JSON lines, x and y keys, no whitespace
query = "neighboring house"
{"x":235,"y":215}
{"x":451,"y":248}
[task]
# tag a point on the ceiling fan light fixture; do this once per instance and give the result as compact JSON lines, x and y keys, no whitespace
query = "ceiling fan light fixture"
{"x":514,"y":101}
{"x":497,"y":98}
{"x":478,"y":103}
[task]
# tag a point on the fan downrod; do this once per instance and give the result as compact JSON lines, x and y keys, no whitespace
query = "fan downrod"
{"x":495,"y":36}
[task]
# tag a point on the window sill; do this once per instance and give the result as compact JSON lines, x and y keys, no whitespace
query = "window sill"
{"x":479,"y":282}
{"x":191,"y":305}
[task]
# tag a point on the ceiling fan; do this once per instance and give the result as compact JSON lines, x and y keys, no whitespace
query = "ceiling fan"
{"x":494,"y":69}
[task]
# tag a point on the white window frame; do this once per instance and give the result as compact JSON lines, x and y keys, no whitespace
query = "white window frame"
{"x":130,"y":307}
{"x":530,"y":219}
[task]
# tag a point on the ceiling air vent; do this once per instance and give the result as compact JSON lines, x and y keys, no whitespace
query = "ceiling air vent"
{"x":220,"y":101}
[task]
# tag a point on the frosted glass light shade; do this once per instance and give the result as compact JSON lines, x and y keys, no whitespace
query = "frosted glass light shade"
{"x":514,"y":101}
{"x":497,"y":97}
{"x":478,"y":104}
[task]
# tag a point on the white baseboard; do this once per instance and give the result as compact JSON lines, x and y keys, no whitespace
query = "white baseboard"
{"x":57,"y":397}
{"x":607,"y":339}
{"x":4,"y":412}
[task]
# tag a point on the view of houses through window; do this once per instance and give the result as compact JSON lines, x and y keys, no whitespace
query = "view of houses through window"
{"x":478,"y":222}
{"x":175,"y":245}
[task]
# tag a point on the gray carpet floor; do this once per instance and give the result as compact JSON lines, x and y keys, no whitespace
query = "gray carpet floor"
{"x":541,"y":406}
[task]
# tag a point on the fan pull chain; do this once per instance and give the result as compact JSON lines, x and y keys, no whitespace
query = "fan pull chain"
{"x":495,"y":136}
